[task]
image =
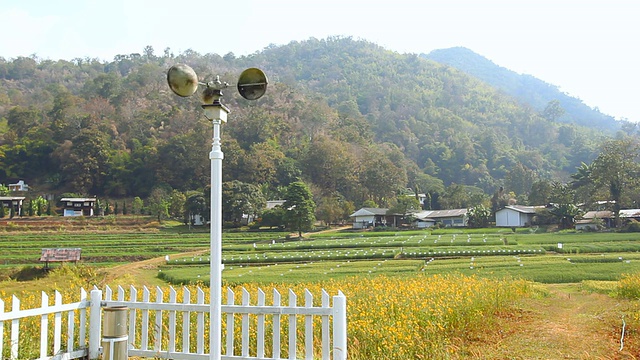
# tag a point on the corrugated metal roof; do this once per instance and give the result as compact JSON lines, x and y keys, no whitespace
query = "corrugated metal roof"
{"x":524,"y":209}
{"x":369,"y":212}
{"x":605,"y":214}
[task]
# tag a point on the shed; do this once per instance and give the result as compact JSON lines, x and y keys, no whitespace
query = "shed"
{"x":516,"y":215}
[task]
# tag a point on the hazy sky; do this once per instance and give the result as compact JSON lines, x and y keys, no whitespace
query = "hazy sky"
{"x":588,"y":48}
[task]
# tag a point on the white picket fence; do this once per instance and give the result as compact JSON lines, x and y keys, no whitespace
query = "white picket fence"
{"x":152,"y":326}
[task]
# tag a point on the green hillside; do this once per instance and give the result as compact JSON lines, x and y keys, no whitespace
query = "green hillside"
{"x":356,"y":121}
{"x":526,"y":88}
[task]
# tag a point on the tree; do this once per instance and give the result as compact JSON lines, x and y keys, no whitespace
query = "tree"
{"x":299,"y":207}
{"x":553,"y":111}
{"x":39,"y":204}
{"x":273,"y":217}
{"x":616,"y":169}
{"x":240,"y":199}
{"x":519,"y":179}
{"x":329,"y":210}
{"x":454,"y":197}
{"x":177,"y":204}
{"x":158,"y":203}
{"x":540,"y":193}
{"x":196,"y":204}
{"x":136,"y":206}
{"x":563,"y":208}
{"x":479,"y":216}
{"x":405,"y":204}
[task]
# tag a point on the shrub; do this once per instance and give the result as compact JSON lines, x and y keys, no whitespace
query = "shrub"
{"x":629,"y":286}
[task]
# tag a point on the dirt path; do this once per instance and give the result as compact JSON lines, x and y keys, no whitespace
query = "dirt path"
{"x":142,"y":272}
{"x":567,"y":324}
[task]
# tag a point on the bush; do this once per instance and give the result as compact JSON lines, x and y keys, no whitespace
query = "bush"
{"x":629,"y":287}
{"x":632,"y":226}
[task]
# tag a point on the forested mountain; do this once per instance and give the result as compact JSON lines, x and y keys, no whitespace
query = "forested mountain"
{"x":355,"y":121}
{"x":526,"y":88}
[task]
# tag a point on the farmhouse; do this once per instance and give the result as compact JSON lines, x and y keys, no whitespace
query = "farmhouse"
{"x":448,"y":218}
{"x":373,"y":217}
{"x":516,"y":215}
{"x":589,"y":222}
{"x":19,"y":186}
{"x":12,"y":202}
{"x":78,"y":206}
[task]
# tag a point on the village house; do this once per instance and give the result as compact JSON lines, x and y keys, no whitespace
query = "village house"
{"x":78,"y":206}
{"x":374,"y":217}
{"x":448,"y":218}
{"x":592,"y":219}
{"x":12,"y":202}
{"x":19,"y":186}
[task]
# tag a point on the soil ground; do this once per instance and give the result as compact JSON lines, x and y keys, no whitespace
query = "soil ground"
{"x":566,"y":324}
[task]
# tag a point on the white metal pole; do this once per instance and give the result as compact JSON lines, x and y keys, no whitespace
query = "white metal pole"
{"x":215,"y":279}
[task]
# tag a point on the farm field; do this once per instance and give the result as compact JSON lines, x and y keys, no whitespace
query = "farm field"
{"x":272,"y":257}
{"x":435,"y":295}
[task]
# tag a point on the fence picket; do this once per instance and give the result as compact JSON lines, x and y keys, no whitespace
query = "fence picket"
{"x":230,"y":324}
{"x":70,"y":330}
{"x":293,"y":300}
{"x":108,"y":293}
{"x":44,"y":326}
{"x":200,"y":337}
{"x":326,"y":340}
{"x":133,"y":298}
{"x":172,"y":321}
{"x":144,"y":332}
{"x":186,"y":321}
{"x":120,"y":293}
{"x":308,"y":325}
{"x":83,"y":319}
{"x":260,"y":327}
{"x":57,"y":324}
{"x":15,"y":328}
{"x":158,"y":324}
{"x":277,"y":298}
{"x":245,"y":324}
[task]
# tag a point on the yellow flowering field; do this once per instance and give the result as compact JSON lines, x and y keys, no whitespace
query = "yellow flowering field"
{"x":414,"y":317}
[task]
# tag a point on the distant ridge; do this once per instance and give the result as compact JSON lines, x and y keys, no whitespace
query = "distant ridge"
{"x":525,"y":88}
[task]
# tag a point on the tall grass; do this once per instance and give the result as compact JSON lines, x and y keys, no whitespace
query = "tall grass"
{"x":413,"y":317}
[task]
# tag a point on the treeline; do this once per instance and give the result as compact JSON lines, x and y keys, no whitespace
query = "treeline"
{"x":357,"y":123}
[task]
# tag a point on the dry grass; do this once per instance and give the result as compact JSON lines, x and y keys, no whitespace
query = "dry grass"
{"x":566,"y":324}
